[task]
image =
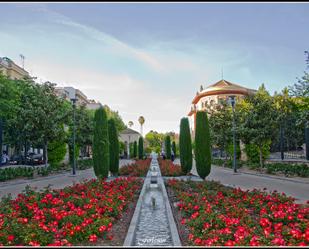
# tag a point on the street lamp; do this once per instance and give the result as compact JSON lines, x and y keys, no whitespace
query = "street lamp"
{"x":72,"y":95}
{"x":233,"y":101}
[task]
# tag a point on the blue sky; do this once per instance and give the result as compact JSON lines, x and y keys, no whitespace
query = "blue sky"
{"x":150,"y":58}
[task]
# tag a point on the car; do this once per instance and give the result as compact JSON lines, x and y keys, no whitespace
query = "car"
{"x":16,"y":159}
{"x":34,"y":159}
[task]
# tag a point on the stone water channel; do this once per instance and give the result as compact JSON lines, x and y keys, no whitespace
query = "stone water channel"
{"x":153,"y":223}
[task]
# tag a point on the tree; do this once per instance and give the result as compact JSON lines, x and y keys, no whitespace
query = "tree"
{"x":135,"y":149}
{"x":220,"y":124}
{"x":154,"y":140}
{"x":257,"y":120}
{"x":140,"y":148}
{"x":113,"y":147}
{"x":168,"y":147}
{"x":141,"y":120}
{"x":115,"y":115}
{"x":202,"y":145}
{"x":174,"y":148}
{"x":185,"y":146}
{"x":100,"y":144}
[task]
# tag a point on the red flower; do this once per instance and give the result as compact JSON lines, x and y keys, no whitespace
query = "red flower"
{"x":93,"y":238}
{"x":11,"y":238}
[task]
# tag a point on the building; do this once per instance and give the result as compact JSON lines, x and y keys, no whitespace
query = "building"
{"x":69,"y":93}
{"x":215,"y":94}
{"x":128,"y":136}
{"x":11,"y":70}
{"x":93,"y":105}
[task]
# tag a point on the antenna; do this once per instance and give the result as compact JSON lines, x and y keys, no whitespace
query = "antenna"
{"x":22,"y":57}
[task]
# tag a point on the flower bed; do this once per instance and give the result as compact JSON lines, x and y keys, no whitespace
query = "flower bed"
{"x":138,"y":169}
{"x":215,"y":215}
{"x":82,"y":213}
{"x":168,"y":168}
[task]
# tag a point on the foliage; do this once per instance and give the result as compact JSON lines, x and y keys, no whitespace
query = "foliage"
{"x":12,"y":173}
{"x":168,"y":168}
{"x":134,"y":149}
{"x":113,"y":147}
{"x":101,"y":144}
{"x":230,"y":150}
{"x":168,"y":147}
{"x":56,"y":152}
{"x":185,"y":146}
{"x":115,"y":115}
{"x":301,"y":170}
{"x":140,"y":148}
{"x":174,"y":148}
{"x":253,"y":152}
{"x":154,"y":141}
{"x":202,"y":145}
{"x":257,"y":119}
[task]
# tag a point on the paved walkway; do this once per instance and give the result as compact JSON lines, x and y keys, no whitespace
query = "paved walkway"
{"x":246,"y":181}
{"x":58,"y":181}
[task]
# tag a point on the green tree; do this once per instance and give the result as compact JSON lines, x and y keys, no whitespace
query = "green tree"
{"x":100,"y":144}
{"x":135,"y":149}
{"x":140,"y":148}
{"x":113,"y":147}
{"x":174,"y":148}
{"x":202,"y":145}
{"x":257,"y":119}
{"x":168,"y":147}
{"x":185,"y":146}
{"x":154,"y":141}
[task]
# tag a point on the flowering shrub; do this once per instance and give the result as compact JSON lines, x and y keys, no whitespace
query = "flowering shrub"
{"x":138,"y":168}
{"x":80,"y":213}
{"x":222,"y":216}
{"x":168,"y":168}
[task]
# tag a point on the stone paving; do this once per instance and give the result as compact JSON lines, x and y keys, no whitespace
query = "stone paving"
{"x":247,"y":181}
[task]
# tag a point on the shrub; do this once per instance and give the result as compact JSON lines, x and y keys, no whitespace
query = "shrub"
{"x":168,"y":147}
{"x":174,"y":149}
{"x":185,"y":146}
{"x":135,"y":149}
{"x":56,"y":153}
{"x":113,"y":147}
{"x":202,"y":145}
{"x":253,"y":153}
{"x":85,"y":164}
{"x":100,"y":144}
{"x":140,"y":148}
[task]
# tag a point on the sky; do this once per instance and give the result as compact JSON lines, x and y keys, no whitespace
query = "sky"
{"x":150,"y":59}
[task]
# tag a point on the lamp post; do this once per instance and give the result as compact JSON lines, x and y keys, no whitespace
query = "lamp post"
{"x":74,"y":135}
{"x":233,"y":100}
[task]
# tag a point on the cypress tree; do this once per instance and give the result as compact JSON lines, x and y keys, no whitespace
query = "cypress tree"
{"x":168,"y":147}
{"x":185,"y":146}
{"x":202,"y":145}
{"x":135,"y":149}
{"x":174,"y":148}
{"x":113,"y":147}
{"x":100,"y":144}
{"x":140,"y":148}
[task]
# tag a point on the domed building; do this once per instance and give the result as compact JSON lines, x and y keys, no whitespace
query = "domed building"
{"x":216,"y":94}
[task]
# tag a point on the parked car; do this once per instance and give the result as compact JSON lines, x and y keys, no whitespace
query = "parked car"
{"x":34,"y":159}
{"x":17,"y":159}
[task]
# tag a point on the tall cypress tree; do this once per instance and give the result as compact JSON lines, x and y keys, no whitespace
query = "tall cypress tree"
{"x":135,"y":149}
{"x":174,"y":148}
{"x":168,"y":147}
{"x":113,"y":147}
{"x":185,"y":146}
{"x":140,"y":148}
{"x":202,"y":145}
{"x":100,"y":144}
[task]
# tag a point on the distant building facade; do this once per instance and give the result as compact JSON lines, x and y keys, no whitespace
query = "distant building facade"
{"x":128,"y":136}
{"x":216,"y":94}
{"x":11,"y":70}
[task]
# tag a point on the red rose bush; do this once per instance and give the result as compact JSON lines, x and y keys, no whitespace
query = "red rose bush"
{"x":168,"y":168}
{"x":84,"y":212}
{"x":139,"y":168}
{"x":220,"y":216}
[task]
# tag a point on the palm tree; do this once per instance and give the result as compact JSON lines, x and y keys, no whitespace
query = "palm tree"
{"x":141,"y":120}
{"x":130,"y":123}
